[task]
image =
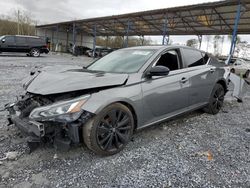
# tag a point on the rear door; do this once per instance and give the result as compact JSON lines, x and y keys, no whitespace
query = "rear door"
{"x":8,"y":44}
{"x":35,"y":42}
{"x":22,"y":44}
{"x":164,"y":96}
{"x":202,"y":76}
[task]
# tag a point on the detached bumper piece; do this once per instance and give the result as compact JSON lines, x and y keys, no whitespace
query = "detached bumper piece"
{"x":32,"y":129}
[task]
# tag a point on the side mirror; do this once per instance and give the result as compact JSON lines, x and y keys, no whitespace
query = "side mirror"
{"x":3,"y":40}
{"x":159,"y":71}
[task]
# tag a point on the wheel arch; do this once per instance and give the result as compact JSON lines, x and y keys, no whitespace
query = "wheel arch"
{"x":131,"y":108}
{"x":223,"y":83}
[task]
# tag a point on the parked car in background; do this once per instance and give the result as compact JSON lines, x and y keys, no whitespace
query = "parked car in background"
{"x":31,"y":45}
{"x":241,"y":67}
{"x":77,"y":50}
{"x":99,"y":52}
{"x":129,"y":89}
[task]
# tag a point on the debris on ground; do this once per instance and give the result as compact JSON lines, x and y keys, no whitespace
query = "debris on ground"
{"x":12,"y":155}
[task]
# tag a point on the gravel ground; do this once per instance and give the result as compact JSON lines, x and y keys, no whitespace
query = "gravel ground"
{"x":195,"y":150}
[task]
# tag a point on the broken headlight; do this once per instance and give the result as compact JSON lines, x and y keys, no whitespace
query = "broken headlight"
{"x":62,"y":111}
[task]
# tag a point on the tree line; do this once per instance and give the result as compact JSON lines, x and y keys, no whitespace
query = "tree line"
{"x":119,"y":41}
{"x":19,"y":23}
{"x":217,"y":41}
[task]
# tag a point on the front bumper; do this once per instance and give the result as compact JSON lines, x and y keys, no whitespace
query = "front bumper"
{"x":28,"y":127}
{"x":60,"y":134}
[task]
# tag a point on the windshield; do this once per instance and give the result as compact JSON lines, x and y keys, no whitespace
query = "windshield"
{"x":122,"y":61}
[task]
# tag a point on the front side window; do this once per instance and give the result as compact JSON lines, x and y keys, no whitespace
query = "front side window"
{"x":123,"y":61}
{"x":192,"y":57}
{"x":9,"y":39}
{"x":169,"y":59}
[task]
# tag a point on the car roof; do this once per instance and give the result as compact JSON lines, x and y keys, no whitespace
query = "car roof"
{"x":159,"y":47}
{"x":28,"y":36}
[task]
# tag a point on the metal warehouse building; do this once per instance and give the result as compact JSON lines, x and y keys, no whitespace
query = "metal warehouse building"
{"x":230,"y":17}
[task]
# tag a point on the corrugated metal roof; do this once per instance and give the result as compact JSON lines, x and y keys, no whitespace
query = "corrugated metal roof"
{"x":201,"y":19}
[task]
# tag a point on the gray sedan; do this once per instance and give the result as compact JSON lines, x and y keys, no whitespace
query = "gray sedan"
{"x":103,"y":104}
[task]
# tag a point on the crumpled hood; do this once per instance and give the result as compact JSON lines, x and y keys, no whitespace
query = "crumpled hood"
{"x":61,"y":81}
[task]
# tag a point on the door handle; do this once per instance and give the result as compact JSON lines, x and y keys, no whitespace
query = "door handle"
{"x":184,"y":80}
{"x":212,"y":69}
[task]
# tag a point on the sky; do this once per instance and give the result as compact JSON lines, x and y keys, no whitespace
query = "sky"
{"x":50,"y":11}
{"x":47,"y":11}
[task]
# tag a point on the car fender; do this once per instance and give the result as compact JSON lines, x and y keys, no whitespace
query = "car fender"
{"x":130,"y":95}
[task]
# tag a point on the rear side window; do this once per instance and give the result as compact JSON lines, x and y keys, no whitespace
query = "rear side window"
{"x":9,"y":39}
{"x":35,"y":40}
{"x":192,"y":57}
{"x":20,"y":40}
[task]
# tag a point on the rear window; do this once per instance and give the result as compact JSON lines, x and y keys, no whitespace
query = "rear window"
{"x":192,"y":57}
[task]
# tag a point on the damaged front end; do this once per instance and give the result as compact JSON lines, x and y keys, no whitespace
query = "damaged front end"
{"x":50,"y":119}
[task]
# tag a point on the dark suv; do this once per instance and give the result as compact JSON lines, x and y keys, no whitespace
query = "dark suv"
{"x":31,"y":45}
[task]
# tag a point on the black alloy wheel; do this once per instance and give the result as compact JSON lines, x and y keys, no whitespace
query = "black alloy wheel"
{"x":247,"y":74}
{"x":35,"y":52}
{"x":110,"y":130}
{"x":113,"y":130}
{"x":216,"y":100}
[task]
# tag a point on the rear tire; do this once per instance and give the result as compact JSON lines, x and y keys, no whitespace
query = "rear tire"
{"x":216,"y":100}
{"x":247,"y":74}
{"x":109,"y":131}
{"x":35,"y":52}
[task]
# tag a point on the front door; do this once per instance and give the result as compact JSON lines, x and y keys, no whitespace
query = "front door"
{"x":8,"y":44}
{"x":166,"y":95}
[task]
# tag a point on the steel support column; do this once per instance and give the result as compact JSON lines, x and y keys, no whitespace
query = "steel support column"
{"x":234,"y":38}
{"x":127,"y":32}
{"x":200,"y":40}
{"x":94,"y":41}
{"x":142,"y":39}
{"x":57,"y":34}
{"x":107,"y":40}
{"x":165,"y":38}
{"x":74,"y":34}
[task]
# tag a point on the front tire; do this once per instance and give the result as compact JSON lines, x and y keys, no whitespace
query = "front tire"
{"x":216,"y":100}
{"x":232,"y":70}
{"x":35,"y":52}
{"x":109,"y":131}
